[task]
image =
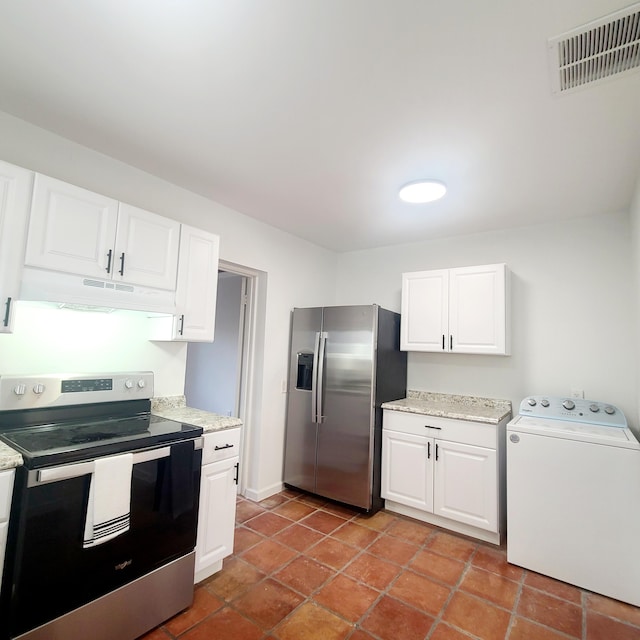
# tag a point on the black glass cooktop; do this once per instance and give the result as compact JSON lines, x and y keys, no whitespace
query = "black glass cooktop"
{"x":47,"y":444}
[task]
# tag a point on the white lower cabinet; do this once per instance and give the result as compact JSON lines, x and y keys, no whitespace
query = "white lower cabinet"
{"x":6,"y":490}
{"x":218,"y":491}
{"x":446,"y":472}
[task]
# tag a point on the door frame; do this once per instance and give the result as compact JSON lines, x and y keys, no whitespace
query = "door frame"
{"x":246,"y":360}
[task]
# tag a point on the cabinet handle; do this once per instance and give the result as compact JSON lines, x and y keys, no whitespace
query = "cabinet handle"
{"x":436,"y":453}
{"x":428,"y":426}
{"x":181,"y":329}
{"x":428,"y":450}
{"x":109,"y":257}
{"x":443,"y":341}
{"x":226,"y":446}
{"x":237,"y":472}
{"x":122,"y":264}
{"x":5,"y":322}
{"x":451,"y":343}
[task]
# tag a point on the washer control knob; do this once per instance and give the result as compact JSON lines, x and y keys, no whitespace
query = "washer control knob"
{"x":20,"y":389}
{"x":141,"y":383}
{"x":609,"y":410}
{"x":569,"y":404}
{"x":38,"y":388}
{"x":594,"y":408}
{"x":544,"y":402}
{"x":128,"y":384}
{"x":531,"y":402}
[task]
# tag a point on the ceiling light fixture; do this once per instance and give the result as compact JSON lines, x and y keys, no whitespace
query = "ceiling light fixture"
{"x":422,"y":191}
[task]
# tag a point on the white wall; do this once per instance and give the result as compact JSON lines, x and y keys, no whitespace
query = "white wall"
{"x":572,"y":309}
{"x":635,"y":243}
{"x":211,"y":381}
{"x":297,"y":273}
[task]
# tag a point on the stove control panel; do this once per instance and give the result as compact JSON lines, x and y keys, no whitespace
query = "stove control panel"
{"x":573,"y":410}
{"x":52,"y":390}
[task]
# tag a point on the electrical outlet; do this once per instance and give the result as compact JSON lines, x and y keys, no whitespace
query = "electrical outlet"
{"x":283,"y":386}
{"x":577,"y":393}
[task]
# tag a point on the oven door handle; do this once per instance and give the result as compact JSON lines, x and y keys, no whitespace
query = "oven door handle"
{"x":67,"y":471}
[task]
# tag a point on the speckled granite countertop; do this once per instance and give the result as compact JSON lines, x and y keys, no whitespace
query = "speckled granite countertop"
{"x":9,"y":459}
{"x":446,"y":405}
{"x":175,"y":408}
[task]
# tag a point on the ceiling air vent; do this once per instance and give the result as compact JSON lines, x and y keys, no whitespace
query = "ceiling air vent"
{"x":596,"y":51}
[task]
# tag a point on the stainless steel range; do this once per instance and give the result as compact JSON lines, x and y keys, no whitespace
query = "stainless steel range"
{"x":104,"y":513}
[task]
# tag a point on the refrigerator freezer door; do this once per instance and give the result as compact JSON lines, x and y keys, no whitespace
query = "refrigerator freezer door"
{"x":345,"y":430}
{"x":300,"y":456}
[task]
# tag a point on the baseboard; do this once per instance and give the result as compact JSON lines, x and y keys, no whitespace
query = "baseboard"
{"x":263,"y":494}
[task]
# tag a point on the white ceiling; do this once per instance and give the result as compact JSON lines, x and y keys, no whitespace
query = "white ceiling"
{"x":310,"y":114}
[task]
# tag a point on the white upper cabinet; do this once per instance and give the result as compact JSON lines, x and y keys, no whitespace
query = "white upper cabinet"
{"x":146,"y":248}
{"x":15,"y":198}
{"x":77,"y":231}
{"x":197,"y":284}
{"x":425,"y":310}
{"x":71,"y":229}
{"x":196,"y":292}
{"x":463,"y":310}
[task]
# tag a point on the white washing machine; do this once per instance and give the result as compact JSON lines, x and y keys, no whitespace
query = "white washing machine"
{"x":573,"y":495}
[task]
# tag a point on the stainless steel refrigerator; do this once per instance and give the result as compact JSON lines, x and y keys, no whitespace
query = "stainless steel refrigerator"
{"x":344,"y":363}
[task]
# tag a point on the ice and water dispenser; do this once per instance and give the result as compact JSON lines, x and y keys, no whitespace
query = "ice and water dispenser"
{"x":305,"y":371}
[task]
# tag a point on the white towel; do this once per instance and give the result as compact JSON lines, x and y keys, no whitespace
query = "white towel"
{"x":109,"y":506}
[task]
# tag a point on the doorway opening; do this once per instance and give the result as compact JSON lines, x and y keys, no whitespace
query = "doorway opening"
{"x":219,"y":374}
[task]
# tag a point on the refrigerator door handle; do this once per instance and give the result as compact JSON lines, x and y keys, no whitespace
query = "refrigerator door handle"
{"x":320,"y":378}
{"x":314,"y":380}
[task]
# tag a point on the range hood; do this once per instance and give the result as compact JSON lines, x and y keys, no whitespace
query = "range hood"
{"x":41,"y":285}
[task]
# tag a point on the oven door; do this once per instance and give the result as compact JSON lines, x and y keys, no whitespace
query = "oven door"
{"x":51,"y":573}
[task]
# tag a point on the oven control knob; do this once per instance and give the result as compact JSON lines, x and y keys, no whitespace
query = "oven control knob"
{"x":609,"y":410}
{"x":531,"y":402}
{"x":544,"y":402}
{"x":594,"y":408}
{"x":569,"y":404}
{"x":128,"y":384}
{"x":20,"y":389}
{"x":141,"y":384}
{"x":38,"y":388}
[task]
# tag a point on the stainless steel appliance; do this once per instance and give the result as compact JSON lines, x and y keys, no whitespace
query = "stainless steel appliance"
{"x":67,"y":427}
{"x":345,"y":362}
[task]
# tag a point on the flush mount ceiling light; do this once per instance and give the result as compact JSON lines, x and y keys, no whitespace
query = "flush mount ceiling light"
{"x":422,"y":191}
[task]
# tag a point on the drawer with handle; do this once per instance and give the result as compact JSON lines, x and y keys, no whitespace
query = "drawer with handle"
{"x":220,"y":445}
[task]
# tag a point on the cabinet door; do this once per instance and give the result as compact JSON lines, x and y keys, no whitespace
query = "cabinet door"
{"x":15,"y":196}
{"x":216,"y":517}
{"x":425,"y":313}
{"x":197,"y":284}
{"x":477,"y":309}
{"x":70,"y":229}
{"x":146,"y":248}
{"x":466,"y":484}
{"x":6,"y":489}
{"x":407,"y":469}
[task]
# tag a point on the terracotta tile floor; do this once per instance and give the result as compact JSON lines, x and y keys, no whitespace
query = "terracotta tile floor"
{"x":307,"y":569}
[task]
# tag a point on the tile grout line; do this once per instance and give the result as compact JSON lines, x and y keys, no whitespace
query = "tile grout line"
{"x":516,"y":603}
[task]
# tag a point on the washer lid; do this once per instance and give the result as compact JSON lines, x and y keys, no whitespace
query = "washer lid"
{"x":571,"y":430}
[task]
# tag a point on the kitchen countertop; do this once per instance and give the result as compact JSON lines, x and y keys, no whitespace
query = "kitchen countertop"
{"x":445,"y":405}
{"x":175,"y":408}
{"x":9,"y":459}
